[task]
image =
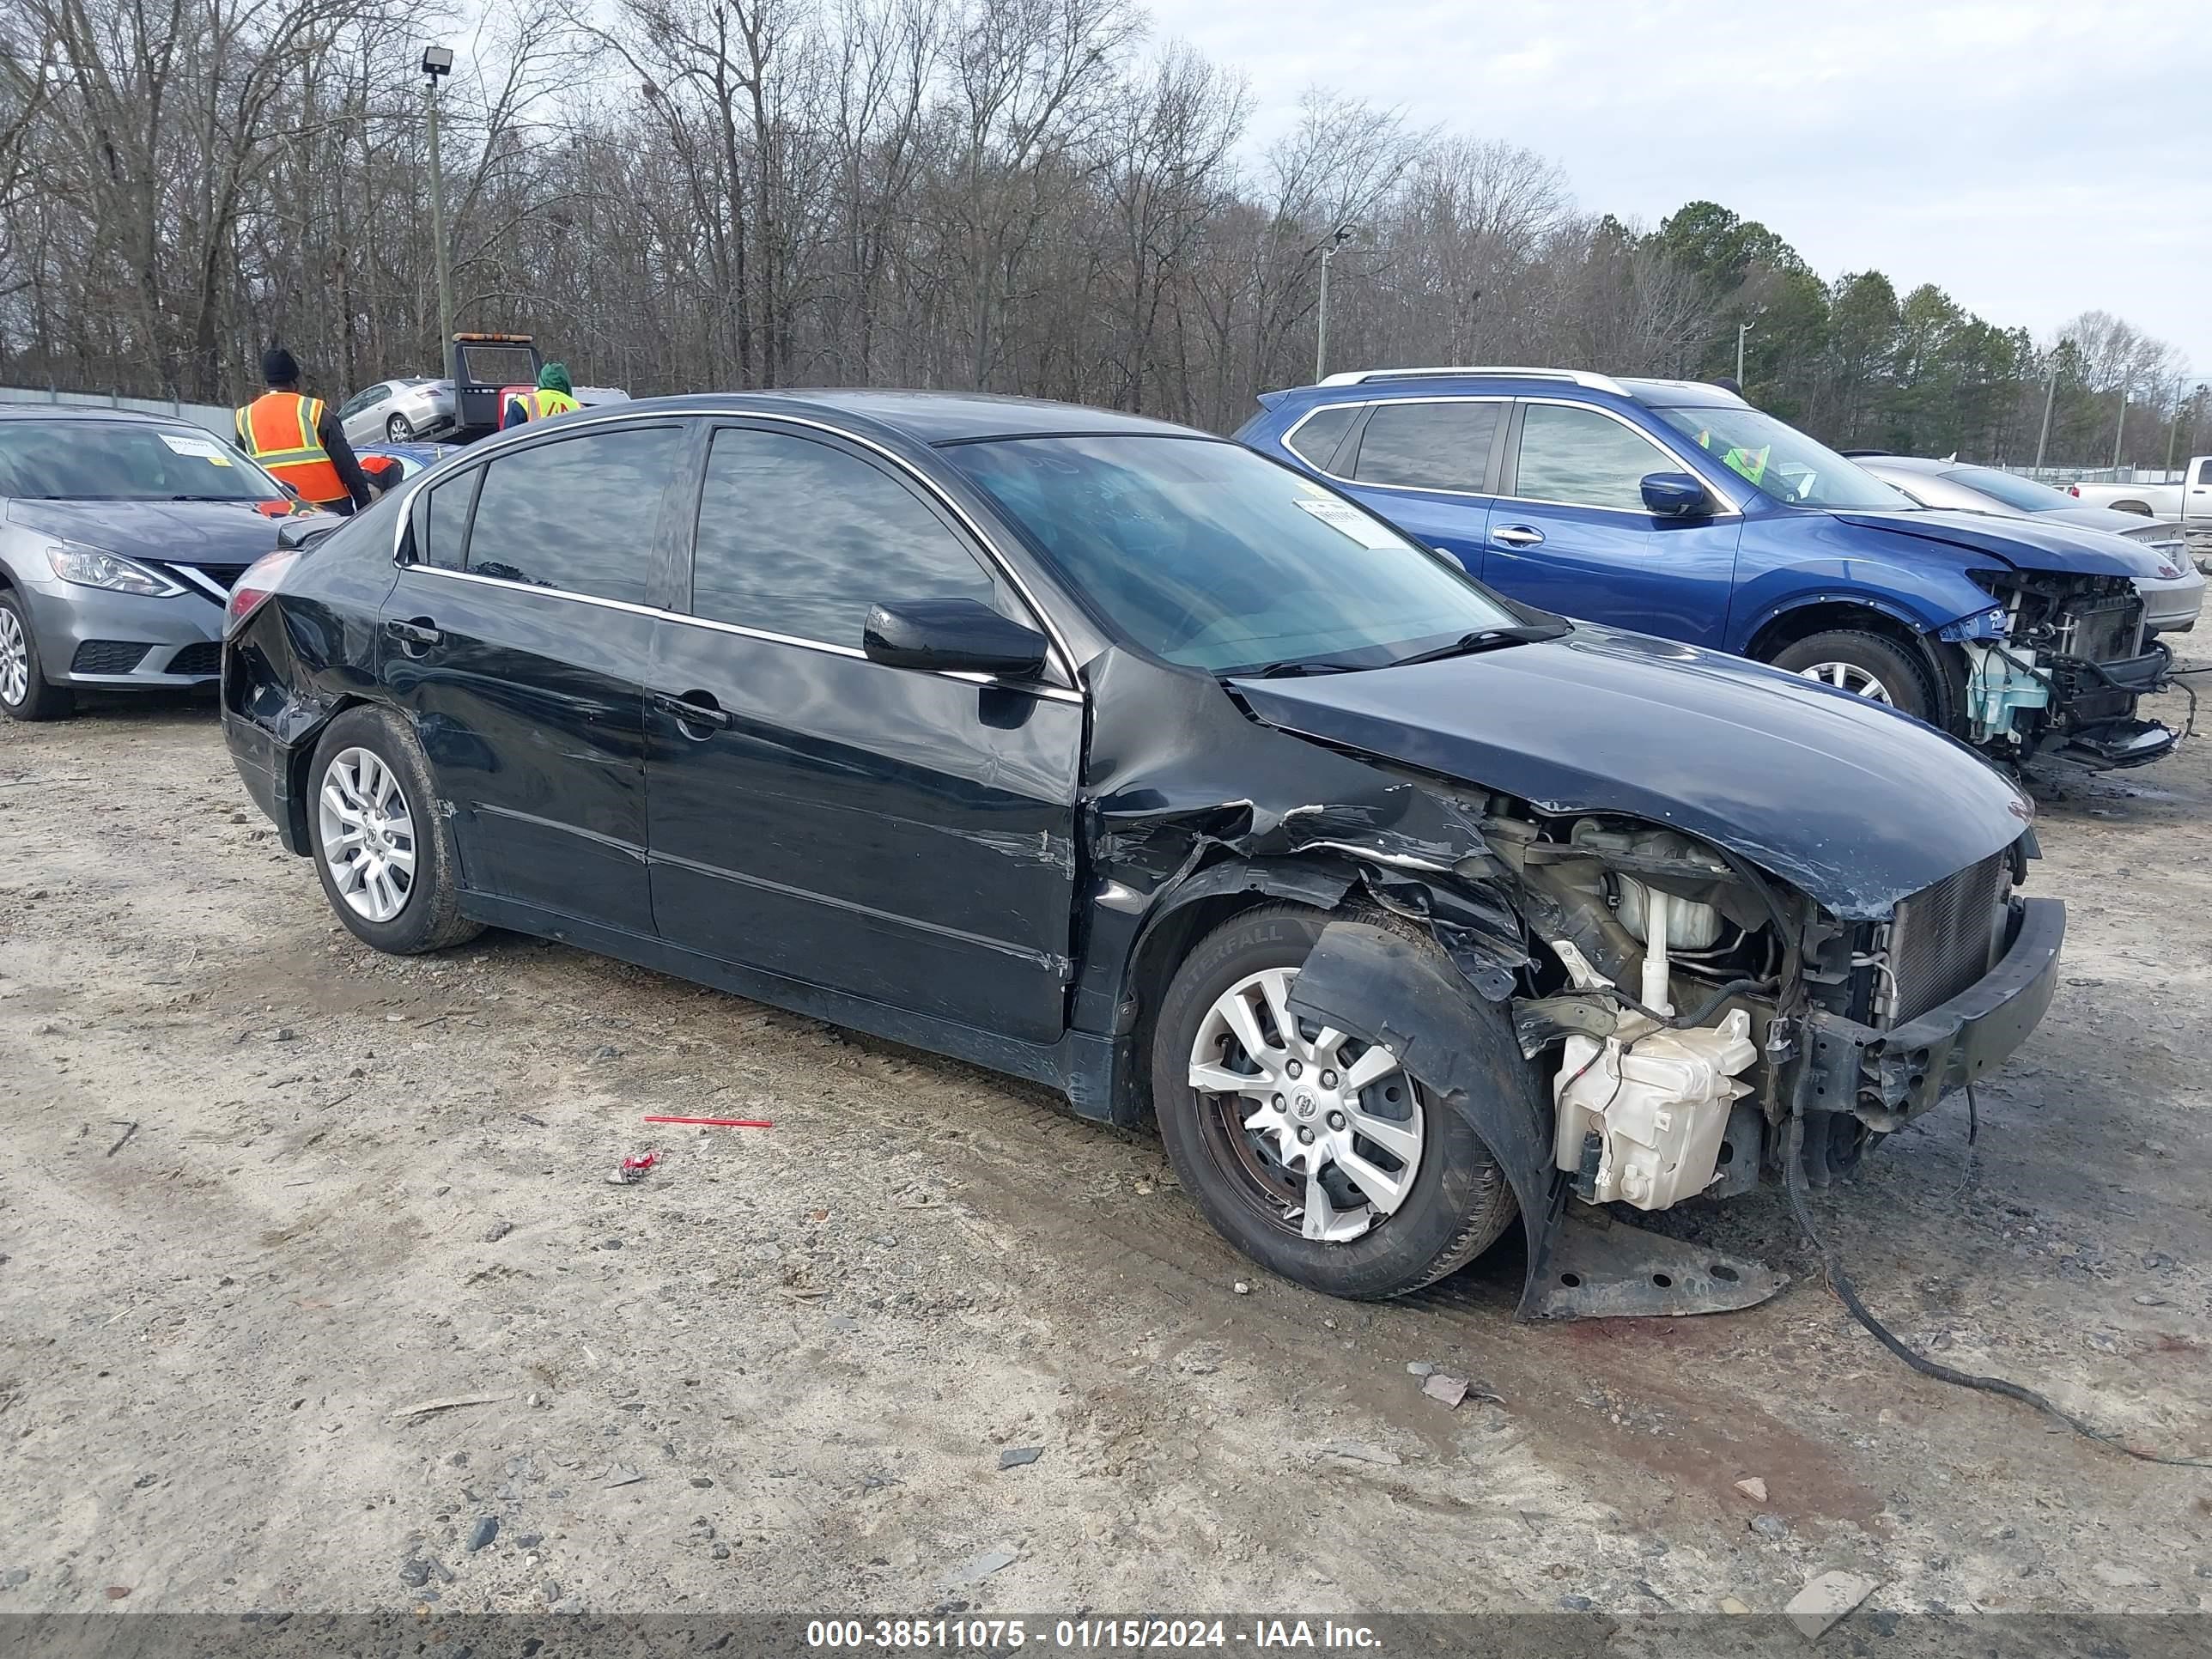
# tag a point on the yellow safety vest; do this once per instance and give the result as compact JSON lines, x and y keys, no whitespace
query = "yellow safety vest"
{"x":537,"y":406}
{"x":277,"y":429}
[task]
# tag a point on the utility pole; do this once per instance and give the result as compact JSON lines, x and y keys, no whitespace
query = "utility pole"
{"x":2121,"y":426}
{"x":2050,"y":397}
{"x":437,"y":62}
{"x":1337,"y":239}
{"x":2173,"y":426}
{"x":1741,"y":329}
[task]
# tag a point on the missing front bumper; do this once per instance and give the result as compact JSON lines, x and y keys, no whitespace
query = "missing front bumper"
{"x":1886,"y":1079}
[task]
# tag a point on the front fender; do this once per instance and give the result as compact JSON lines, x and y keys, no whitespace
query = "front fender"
{"x":1912,"y":583}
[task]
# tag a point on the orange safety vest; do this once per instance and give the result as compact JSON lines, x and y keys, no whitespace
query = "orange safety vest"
{"x":277,"y":429}
{"x":538,"y":404}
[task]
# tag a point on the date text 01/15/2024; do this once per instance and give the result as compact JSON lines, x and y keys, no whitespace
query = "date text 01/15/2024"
{"x":1084,"y":1634}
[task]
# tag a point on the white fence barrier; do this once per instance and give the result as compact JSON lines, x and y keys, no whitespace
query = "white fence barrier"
{"x":214,"y":417}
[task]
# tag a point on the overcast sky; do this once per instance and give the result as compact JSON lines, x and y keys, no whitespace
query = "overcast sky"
{"x":2034,"y":159}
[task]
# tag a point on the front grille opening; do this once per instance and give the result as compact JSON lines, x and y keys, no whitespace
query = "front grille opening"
{"x":1947,"y":937}
{"x":205,"y":658}
{"x":108,"y":656}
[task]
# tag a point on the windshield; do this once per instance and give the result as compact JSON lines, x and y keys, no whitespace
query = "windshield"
{"x":1203,"y":554}
{"x":124,"y":461}
{"x":2025,"y":493}
{"x":1782,"y":461}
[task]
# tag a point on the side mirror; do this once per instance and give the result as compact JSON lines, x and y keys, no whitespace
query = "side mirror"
{"x":953,"y":636}
{"x":1675,"y":495}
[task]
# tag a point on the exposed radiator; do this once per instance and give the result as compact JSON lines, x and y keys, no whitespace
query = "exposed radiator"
{"x":1947,"y":937}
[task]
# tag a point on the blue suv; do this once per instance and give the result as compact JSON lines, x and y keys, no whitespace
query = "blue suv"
{"x":1675,"y":508}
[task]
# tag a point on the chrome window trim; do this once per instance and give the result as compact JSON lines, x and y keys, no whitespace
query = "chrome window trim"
{"x":1377,"y":402}
{"x":1052,"y":693}
{"x":1732,"y":508}
{"x":1063,"y":654}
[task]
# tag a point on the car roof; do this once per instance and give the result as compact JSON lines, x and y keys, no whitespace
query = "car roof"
{"x":1527,"y":380}
{"x":87,"y":412}
{"x":1904,"y":463}
{"x":927,"y":417}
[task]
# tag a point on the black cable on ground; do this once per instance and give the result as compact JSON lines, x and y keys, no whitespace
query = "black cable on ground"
{"x":1839,"y":1282}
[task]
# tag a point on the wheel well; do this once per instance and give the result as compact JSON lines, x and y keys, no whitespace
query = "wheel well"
{"x":2143,"y":507}
{"x":1791,"y":626}
{"x":299,"y":762}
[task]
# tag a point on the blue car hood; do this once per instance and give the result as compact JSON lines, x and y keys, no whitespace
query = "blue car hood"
{"x":1851,"y":803}
{"x":2023,"y":543}
{"x":181,"y":533}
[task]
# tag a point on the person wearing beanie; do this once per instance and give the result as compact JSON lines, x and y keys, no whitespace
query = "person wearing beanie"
{"x":554,"y":395}
{"x":297,"y":441}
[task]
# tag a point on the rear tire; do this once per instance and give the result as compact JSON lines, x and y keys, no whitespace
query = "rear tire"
{"x":383,"y":849}
{"x":1859,"y":659}
{"x":1451,"y":1201}
{"x":25,"y":694}
{"x":399,"y":430}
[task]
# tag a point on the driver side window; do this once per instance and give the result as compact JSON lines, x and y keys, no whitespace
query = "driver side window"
{"x":1581,"y":457}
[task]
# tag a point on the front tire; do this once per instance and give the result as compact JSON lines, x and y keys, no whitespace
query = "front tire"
{"x":1315,"y":1154}
{"x":1866,"y":664}
{"x":24,"y":693}
{"x":381,"y":847}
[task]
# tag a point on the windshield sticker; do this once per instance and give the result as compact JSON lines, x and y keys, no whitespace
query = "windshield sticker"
{"x":1342,"y":515}
{"x":205,"y":448}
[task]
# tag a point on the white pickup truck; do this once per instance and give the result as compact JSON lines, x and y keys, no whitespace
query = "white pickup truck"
{"x":2190,"y":501}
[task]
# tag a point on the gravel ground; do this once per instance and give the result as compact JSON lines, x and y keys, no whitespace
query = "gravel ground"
{"x":264,"y":1192}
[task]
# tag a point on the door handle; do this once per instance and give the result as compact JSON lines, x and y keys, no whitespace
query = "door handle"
{"x":696,"y":708}
{"x":1517,"y":535}
{"x":420,"y":630}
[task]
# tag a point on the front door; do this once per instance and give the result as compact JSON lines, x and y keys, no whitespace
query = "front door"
{"x":518,"y":640}
{"x":899,"y":835}
{"x":1570,"y":532}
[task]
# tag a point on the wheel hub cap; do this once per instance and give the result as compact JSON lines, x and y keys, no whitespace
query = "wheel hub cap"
{"x":367,"y":833}
{"x":1330,"y":1127}
{"x":15,"y":659}
{"x":1848,"y":677}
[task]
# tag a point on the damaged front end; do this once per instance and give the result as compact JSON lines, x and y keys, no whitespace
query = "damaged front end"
{"x":2057,"y":666}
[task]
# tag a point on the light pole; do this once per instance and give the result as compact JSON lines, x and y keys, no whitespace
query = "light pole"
{"x":437,"y":62}
{"x":2120,"y":426}
{"x":1337,"y":239}
{"x":2050,"y":397}
{"x":1741,"y":329}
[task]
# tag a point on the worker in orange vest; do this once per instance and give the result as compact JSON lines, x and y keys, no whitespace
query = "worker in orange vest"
{"x":297,"y":441}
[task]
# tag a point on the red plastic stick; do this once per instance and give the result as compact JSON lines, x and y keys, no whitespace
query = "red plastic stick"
{"x":718,"y":1122}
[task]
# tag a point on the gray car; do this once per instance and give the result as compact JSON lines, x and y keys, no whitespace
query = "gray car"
{"x":2171,"y":601}
{"x":404,"y":410}
{"x":121,"y":535}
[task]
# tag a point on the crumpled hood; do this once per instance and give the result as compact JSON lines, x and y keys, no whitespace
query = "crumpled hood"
{"x":2023,"y":543}
{"x":180,"y":532}
{"x":1852,"y":803}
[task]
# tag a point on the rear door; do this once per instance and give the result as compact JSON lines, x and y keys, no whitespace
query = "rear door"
{"x":518,"y":640}
{"x":1426,"y":465}
{"x":1570,"y":532}
{"x":903,"y":837}
{"x":358,"y":415}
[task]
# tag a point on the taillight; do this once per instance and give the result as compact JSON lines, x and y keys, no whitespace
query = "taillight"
{"x":260,"y":583}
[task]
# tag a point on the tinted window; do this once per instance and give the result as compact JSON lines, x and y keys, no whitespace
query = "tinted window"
{"x":446,"y":519}
{"x":1320,"y":433}
{"x":579,"y":515}
{"x":1428,"y":446}
{"x":1583,"y":459}
{"x":2204,"y":471}
{"x":801,"y":537}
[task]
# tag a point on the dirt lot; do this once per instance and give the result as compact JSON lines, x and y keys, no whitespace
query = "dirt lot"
{"x":263,"y":1190}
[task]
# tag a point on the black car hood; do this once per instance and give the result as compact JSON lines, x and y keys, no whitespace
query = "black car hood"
{"x":1853,"y":804}
{"x":178,"y":532}
{"x":2023,"y":543}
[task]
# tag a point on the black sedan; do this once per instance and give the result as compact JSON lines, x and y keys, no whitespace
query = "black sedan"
{"x":1108,"y":754}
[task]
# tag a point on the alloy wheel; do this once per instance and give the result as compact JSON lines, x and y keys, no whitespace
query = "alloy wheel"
{"x":368,"y":834}
{"x":15,"y":659}
{"x":1848,"y":677}
{"x":398,"y":429}
{"x":1322,"y":1131}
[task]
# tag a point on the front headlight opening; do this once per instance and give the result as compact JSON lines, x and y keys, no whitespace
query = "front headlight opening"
{"x":93,"y":567}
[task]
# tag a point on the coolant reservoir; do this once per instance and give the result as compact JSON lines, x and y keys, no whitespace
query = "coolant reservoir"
{"x":1658,"y":1105}
{"x":1689,"y":927}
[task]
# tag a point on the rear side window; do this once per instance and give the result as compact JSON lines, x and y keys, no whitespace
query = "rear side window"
{"x":1429,"y":446}
{"x":801,"y":537}
{"x":446,"y":519}
{"x":580,"y":515}
{"x":1319,"y":434}
{"x":2204,"y":470}
{"x":1580,"y":458}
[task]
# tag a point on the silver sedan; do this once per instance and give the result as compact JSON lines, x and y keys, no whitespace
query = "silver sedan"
{"x":404,"y":410}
